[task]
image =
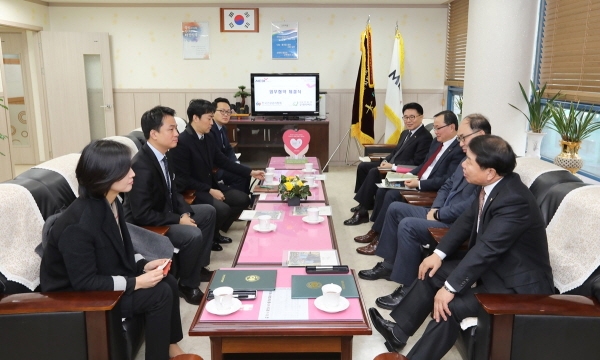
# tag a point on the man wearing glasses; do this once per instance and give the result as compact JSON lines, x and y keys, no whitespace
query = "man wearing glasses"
{"x":219,"y":131}
{"x":411,"y":150}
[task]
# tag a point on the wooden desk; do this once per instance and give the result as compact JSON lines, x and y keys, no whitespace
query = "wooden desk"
{"x":240,"y":333}
{"x":266,"y":249}
{"x":258,"y":140}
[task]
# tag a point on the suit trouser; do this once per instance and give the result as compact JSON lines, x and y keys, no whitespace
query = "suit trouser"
{"x":366,"y":193}
{"x":194,"y":244}
{"x":234,"y":181}
{"x":416,"y":306}
{"x":361,"y":173}
{"x":230,"y":209}
{"x":383,"y":199}
{"x":160,"y":307}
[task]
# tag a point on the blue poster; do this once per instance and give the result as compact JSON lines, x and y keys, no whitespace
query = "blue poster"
{"x":284,"y":40}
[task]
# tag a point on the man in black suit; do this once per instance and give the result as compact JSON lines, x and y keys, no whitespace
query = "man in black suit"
{"x":508,"y":253}
{"x":219,"y":131}
{"x":155,"y":201}
{"x":194,"y":159}
{"x":442,"y":159}
{"x":411,"y":150}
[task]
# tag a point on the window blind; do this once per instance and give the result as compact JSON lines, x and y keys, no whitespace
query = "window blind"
{"x":456,"y":42}
{"x":571,"y":50}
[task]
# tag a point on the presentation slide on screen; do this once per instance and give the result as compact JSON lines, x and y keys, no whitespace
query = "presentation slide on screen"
{"x":285,"y":94}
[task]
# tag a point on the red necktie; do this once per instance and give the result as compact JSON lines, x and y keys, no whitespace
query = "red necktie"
{"x":481,"y":201}
{"x":429,"y":161}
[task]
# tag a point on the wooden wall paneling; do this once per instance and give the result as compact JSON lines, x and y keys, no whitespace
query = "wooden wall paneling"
{"x":144,"y":102}
{"x":125,"y":119}
{"x":197,"y":94}
{"x":176,"y":101}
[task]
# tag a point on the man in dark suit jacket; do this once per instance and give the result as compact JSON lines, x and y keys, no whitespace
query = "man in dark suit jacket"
{"x":155,"y":201}
{"x":411,"y":150}
{"x":194,"y":159}
{"x":405,"y":229}
{"x":442,"y":159}
{"x":508,"y":253}
{"x":474,"y":124}
{"x":219,"y":131}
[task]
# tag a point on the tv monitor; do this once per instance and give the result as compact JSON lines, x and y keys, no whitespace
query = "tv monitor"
{"x":287,"y":95}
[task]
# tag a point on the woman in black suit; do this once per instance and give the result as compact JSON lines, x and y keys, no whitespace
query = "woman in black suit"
{"x":89,"y":248}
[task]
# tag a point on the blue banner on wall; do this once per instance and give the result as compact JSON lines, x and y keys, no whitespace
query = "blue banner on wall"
{"x":284,"y":40}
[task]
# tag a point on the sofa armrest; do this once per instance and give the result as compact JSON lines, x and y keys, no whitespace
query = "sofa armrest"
{"x":380,"y":149}
{"x":27,"y":303}
{"x":419,"y":198}
{"x":189,"y":196}
{"x":160,"y":230}
{"x":521,"y":304}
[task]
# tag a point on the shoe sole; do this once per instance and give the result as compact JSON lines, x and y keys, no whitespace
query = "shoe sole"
{"x":385,"y":278}
{"x":365,"y":253}
{"x":356,"y":223}
{"x":383,"y":306}
{"x":186,"y":300}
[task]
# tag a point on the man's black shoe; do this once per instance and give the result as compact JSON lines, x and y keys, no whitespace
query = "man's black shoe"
{"x":355,"y":209}
{"x":223,"y":239}
{"x":389,"y":302}
{"x":385,"y":328}
{"x":216,"y":246}
{"x":206,"y":275}
{"x":376,"y":273}
{"x":357,"y":218}
{"x":190,"y":295}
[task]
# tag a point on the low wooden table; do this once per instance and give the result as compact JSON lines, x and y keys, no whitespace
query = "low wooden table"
{"x":243,"y":333}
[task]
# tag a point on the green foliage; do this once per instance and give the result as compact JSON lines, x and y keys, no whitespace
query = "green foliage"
{"x":459,"y":103}
{"x":292,"y":186}
{"x":242,"y":92}
{"x":539,"y":115}
{"x":573,"y":125}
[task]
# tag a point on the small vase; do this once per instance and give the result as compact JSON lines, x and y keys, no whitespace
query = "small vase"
{"x":534,"y":144}
{"x":569,"y":157}
{"x":293,"y":201}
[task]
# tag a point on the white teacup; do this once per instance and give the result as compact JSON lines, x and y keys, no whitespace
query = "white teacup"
{"x":308,"y":166}
{"x":331,"y":295}
{"x":223,"y":297}
{"x":270,"y":170}
{"x":313,"y":213}
{"x":264,"y":222}
{"x":269,"y":178}
{"x":310,"y":181}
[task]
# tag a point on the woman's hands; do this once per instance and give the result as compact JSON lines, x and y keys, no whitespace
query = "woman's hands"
{"x":152,"y":276}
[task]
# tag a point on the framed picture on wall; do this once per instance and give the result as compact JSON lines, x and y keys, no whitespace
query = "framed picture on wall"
{"x":239,"y":19}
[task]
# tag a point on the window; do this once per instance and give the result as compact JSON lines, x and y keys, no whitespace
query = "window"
{"x":456,"y":42}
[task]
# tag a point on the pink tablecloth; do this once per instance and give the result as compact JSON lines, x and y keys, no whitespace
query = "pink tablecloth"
{"x":278,"y":162}
{"x":251,"y":308}
{"x":291,"y":234}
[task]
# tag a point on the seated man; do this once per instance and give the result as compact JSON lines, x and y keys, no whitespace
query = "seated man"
{"x":219,"y":131}
{"x":476,"y":124}
{"x":508,"y":253}
{"x":411,"y":150}
{"x":154,"y":201}
{"x":405,"y":228}
{"x":444,"y":156}
{"x":195,"y":157}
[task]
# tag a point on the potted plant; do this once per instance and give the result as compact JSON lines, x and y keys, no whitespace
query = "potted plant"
{"x":538,"y":117}
{"x":292,"y":189}
{"x":573,"y":126}
{"x":243,"y":94}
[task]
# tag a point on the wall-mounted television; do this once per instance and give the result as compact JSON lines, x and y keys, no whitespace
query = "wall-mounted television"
{"x":287,"y":95}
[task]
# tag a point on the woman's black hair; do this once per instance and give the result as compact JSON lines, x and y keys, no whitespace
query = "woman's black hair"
{"x":102,"y":163}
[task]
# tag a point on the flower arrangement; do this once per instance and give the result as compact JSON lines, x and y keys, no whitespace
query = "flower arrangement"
{"x":292,"y":187}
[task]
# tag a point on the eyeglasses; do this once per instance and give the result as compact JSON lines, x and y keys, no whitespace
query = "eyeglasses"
{"x":411,"y":117}
{"x":441,"y":127}
{"x":225,"y":112}
{"x":461,"y":138}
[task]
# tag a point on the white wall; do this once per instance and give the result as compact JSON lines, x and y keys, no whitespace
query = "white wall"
{"x":146,"y":45}
{"x":14,"y":12}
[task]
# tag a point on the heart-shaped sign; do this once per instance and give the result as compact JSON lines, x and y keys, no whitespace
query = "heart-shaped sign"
{"x":296,"y":141}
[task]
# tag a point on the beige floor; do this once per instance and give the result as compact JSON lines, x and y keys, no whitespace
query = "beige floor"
{"x":340,"y":186}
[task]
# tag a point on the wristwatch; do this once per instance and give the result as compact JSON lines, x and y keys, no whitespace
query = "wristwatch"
{"x":448,"y":289}
{"x":436,"y":214}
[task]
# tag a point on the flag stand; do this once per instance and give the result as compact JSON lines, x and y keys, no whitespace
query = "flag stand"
{"x":347,"y":150}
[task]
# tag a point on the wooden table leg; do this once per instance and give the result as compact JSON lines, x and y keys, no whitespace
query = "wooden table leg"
{"x":346,"y":348}
{"x":216,"y":348}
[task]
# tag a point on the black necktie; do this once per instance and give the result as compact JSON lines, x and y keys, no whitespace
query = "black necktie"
{"x":223,"y":136}
{"x":167,"y":179}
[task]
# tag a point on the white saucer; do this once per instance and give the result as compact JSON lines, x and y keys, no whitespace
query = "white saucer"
{"x":342,"y":305}
{"x":314,"y":186}
{"x":272,"y":227}
{"x":273,"y":183}
{"x":319,"y":220}
{"x":236,"y":304}
{"x":310,"y":171}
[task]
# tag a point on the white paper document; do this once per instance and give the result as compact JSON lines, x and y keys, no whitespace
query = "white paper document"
{"x":310,"y":258}
{"x":248,"y":215}
{"x":364,"y":158}
{"x":321,"y":177}
{"x":303,"y":210}
{"x":279,"y":305}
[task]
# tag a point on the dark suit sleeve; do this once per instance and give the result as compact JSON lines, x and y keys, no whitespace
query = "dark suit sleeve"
{"x":181,"y":156}
{"x":449,"y":213}
{"x":142,"y":198}
{"x":444,"y":191}
{"x":435,"y":182}
{"x":423,"y":144}
{"x":509,"y":219}
{"x":223,"y":162}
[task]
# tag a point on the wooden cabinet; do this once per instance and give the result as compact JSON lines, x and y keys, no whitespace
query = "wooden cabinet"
{"x":259,"y":140}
